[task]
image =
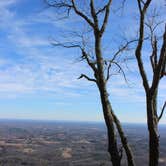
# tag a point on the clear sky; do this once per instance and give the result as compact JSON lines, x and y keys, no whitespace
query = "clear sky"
{"x":38,"y":81}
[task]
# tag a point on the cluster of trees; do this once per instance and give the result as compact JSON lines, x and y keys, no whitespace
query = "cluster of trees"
{"x":96,"y":18}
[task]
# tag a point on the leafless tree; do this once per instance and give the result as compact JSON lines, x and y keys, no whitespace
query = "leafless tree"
{"x":97,"y":18}
{"x":157,"y":59}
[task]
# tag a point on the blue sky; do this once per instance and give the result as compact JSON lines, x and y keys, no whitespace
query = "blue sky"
{"x":38,"y":81}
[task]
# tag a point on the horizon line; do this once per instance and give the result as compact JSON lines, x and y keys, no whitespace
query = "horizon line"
{"x":65,"y":120}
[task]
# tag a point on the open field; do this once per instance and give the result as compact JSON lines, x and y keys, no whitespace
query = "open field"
{"x":41,"y":143}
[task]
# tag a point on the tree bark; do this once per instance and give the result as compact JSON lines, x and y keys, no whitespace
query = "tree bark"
{"x":126,"y":146}
{"x":112,"y":141}
{"x":109,"y":116}
{"x":111,"y":132}
{"x":152,"y":121}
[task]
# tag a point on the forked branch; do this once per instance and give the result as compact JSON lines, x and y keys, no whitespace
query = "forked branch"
{"x":84,"y":56}
{"x":160,"y":69}
{"x":138,"y":51}
{"x":82,"y":14}
{"x":107,"y":11}
{"x":69,"y":6}
{"x":120,"y":70}
{"x":121,"y":49}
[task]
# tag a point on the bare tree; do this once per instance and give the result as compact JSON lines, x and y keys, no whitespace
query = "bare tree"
{"x":97,"y":19}
{"x":158,"y":63}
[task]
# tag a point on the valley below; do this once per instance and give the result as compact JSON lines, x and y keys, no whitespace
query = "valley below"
{"x":44,"y":143}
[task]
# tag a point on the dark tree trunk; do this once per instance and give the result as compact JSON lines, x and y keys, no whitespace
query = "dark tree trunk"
{"x":112,"y":141}
{"x":153,"y":130}
{"x":109,"y":116}
{"x":126,"y":146}
{"x":110,"y":119}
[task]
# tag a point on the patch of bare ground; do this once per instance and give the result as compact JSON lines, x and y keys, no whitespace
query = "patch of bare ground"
{"x":16,"y":145}
{"x":66,"y":153}
{"x":28,"y":150}
{"x":82,"y":141}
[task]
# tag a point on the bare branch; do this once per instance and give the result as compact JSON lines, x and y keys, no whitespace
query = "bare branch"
{"x":138,"y":51}
{"x":69,"y":6}
{"x":91,"y":64}
{"x":81,"y":14}
{"x":84,"y":56}
{"x":101,"y":10}
{"x":162,"y":111}
{"x":86,"y":77}
{"x":139,"y":6}
{"x":120,"y":70}
{"x":123,"y":48}
{"x":163,"y":53}
{"x":146,"y":5}
{"x":122,"y":4}
{"x":59,"y":5}
{"x":153,"y":57}
{"x":163,"y":72}
{"x":107,"y":11}
{"x":93,"y":13}
{"x":160,"y":69}
{"x":141,"y":26}
{"x":153,"y":38}
{"x":108,"y":72}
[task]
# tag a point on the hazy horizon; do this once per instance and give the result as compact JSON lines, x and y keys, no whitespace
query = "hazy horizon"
{"x":69,"y":121}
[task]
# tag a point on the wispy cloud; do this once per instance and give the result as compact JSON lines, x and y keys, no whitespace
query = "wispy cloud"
{"x":41,"y":68}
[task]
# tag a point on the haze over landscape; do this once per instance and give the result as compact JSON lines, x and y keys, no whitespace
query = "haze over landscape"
{"x":53,"y":143}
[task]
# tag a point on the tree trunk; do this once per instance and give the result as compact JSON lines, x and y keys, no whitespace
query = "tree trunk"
{"x":112,"y":141}
{"x":110,"y":118}
{"x":153,"y":131}
{"x":126,"y":146}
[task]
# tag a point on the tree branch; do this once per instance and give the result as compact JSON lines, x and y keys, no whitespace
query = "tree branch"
{"x":68,"y":6}
{"x":86,"y":57}
{"x":93,"y":13}
{"x":162,"y":111}
{"x":107,"y":11}
{"x":159,"y":71}
{"x":153,"y":39}
{"x":81,"y":14}
{"x":120,"y":50}
{"x":153,"y":57}
{"x":163,"y":54}
{"x":163,"y":72}
{"x":120,"y":70}
{"x":84,"y":54}
{"x":138,"y":51}
{"x":108,"y":72}
{"x":86,"y":77}
{"x":123,"y":48}
{"x":101,"y":10}
{"x":60,"y":4}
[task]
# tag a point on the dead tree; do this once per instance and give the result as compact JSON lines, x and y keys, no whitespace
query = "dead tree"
{"x":101,"y":69}
{"x":158,"y":63}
